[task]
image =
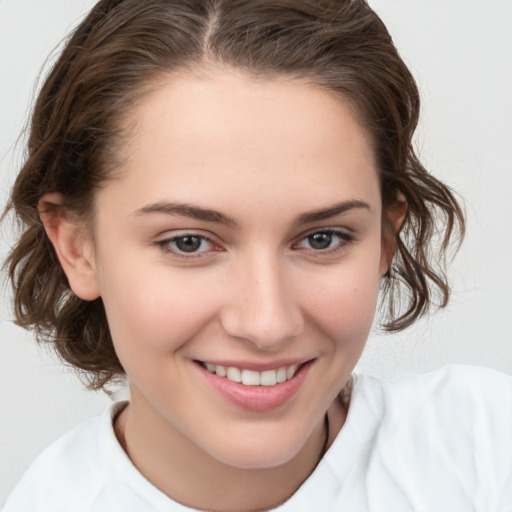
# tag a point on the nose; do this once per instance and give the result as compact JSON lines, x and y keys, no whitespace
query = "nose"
{"x":262,"y":308}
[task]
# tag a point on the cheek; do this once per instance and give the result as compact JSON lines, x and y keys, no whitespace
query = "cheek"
{"x":154,"y":310}
{"x":342,"y":304}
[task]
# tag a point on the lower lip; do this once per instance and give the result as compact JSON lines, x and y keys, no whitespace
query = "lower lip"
{"x":256,"y":398}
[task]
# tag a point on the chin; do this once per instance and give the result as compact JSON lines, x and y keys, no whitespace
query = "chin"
{"x":251,"y":460}
{"x":261,"y":452}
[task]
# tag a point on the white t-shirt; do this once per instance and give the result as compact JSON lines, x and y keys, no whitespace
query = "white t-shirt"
{"x":441,"y":441}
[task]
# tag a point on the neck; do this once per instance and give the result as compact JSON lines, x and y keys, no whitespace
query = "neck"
{"x":184,"y":472}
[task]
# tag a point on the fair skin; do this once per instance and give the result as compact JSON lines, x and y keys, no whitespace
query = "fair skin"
{"x":244,"y":231}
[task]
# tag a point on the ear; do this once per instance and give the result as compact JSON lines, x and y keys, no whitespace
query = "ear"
{"x":392,"y":221}
{"x":73,"y":245}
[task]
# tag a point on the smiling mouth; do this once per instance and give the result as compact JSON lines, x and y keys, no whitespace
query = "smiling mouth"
{"x":252,"y":377}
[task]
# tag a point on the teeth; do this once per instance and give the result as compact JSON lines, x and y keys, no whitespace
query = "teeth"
{"x":234,"y":374}
{"x":220,"y":371}
{"x":251,"y":377}
{"x":268,"y":378}
{"x":290,"y":371}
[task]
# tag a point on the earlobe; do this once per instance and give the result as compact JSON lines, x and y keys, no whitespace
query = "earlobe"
{"x":72,"y":244}
{"x":391,"y":224}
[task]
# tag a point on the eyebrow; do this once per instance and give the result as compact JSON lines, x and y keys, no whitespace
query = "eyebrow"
{"x":188,"y":210}
{"x":331,"y":211}
{"x":206,"y":214}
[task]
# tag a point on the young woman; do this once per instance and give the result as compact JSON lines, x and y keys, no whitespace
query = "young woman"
{"x":214,"y":194}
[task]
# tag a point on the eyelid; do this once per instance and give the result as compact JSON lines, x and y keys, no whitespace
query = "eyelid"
{"x":172,"y":234}
{"x":164,"y":243}
{"x":342,"y":232}
{"x":346,"y":236}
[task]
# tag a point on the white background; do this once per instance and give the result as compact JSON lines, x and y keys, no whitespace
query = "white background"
{"x":460,"y":51}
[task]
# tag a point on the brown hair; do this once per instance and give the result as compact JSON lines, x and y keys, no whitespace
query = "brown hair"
{"x":122,"y":47}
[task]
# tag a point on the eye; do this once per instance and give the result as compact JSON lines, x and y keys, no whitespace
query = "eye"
{"x":190,"y":243}
{"x":187,"y":244}
{"x":326,"y":240}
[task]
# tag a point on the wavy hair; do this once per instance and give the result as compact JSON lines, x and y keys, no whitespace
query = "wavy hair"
{"x":124,"y":46}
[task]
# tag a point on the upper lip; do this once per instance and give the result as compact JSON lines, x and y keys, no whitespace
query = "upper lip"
{"x":256,"y":366}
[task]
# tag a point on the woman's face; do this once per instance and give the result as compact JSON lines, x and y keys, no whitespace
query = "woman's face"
{"x":243,"y":236}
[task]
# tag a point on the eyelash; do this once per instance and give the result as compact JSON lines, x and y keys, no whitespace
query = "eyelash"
{"x":345,"y":238}
{"x":165,"y":245}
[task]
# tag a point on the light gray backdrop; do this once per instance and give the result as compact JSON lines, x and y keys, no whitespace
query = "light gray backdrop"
{"x":461,"y":53}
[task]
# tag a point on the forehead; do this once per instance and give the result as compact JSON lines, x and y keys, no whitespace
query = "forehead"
{"x":245,"y":137}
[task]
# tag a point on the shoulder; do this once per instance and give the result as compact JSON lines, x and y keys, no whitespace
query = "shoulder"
{"x":447,"y":429}
{"x":436,"y":441}
{"x":87,"y":470}
{"x":69,"y":466}
{"x":453,"y":399}
{"x":456,"y":386}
